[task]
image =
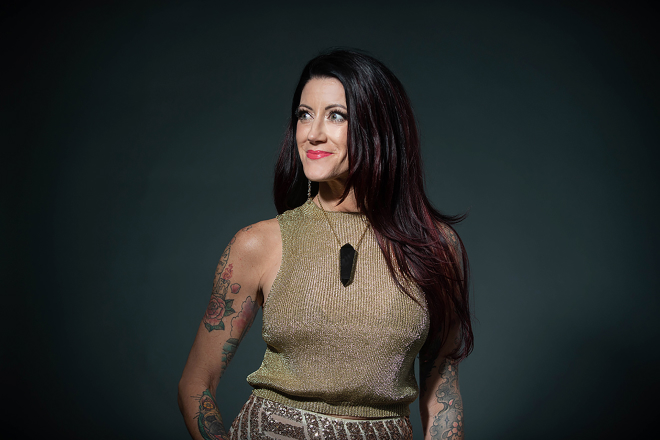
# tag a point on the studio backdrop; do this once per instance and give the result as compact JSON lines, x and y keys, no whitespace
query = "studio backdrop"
{"x":139,"y":137}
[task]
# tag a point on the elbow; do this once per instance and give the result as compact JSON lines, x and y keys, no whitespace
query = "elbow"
{"x":187,"y":390}
{"x":180,"y":395}
{"x":191,"y":387}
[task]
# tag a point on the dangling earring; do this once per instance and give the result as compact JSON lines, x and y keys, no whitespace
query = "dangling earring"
{"x":309,"y":189}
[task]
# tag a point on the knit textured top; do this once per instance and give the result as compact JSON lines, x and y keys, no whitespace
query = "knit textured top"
{"x":332,"y":349}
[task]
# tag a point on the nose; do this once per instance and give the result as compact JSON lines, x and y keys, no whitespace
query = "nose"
{"x":316,"y":133}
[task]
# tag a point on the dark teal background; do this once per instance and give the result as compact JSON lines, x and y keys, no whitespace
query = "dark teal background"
{"x":139,"y":137}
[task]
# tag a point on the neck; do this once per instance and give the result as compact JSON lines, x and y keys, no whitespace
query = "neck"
{"x":330,"y":194}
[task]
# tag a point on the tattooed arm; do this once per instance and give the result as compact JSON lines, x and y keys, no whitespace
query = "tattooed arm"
{"x":440,"y":402}
{"x":245,"y":272}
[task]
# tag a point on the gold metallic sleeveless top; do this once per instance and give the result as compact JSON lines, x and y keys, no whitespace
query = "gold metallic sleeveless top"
{"x":333,"y":349}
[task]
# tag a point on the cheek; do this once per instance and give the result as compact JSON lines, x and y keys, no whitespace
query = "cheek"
{"x":341,"y":140}
{"x":301,"y":135}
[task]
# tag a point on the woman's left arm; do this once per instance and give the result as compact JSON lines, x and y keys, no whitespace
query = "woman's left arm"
{"x":440,"y":402}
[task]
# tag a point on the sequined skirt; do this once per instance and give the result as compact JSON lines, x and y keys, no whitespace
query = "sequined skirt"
{"x":262,"y":419}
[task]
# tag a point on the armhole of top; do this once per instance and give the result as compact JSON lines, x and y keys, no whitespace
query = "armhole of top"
{"x":276,"y":281}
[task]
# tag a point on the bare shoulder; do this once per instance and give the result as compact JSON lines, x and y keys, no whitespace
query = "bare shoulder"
{"x":258,"y":248}
{"x":257,"y":240}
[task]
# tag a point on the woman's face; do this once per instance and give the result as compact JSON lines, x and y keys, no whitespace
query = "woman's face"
{"x":322,"y":130}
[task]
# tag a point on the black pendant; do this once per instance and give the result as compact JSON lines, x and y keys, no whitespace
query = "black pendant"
{"x":347,"y":260}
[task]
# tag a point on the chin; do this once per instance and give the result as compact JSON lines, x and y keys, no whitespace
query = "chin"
{"x":315,"y":174}
{"x":315,"y":177}
{"x":318,"y":172}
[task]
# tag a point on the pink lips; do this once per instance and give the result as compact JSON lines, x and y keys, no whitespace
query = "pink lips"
{"x":317,"y":154}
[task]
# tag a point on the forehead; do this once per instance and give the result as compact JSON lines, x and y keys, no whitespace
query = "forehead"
{"x":323,"y":91}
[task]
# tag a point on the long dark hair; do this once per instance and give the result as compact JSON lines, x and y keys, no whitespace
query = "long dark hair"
{"x":385,"y":173}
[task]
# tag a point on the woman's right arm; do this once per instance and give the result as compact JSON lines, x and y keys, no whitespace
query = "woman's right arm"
{"x":237,"y":294}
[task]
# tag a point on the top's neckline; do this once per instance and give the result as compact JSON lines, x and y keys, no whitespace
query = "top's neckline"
{"x":318,"y":208}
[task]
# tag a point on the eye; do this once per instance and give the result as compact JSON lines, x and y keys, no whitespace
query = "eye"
{"x":336,"y":116}
{"x":303,"y":115}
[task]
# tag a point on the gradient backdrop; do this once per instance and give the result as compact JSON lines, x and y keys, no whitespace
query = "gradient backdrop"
{"x":138,"y":137}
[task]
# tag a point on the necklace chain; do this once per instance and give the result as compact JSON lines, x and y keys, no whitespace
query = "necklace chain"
{"x":325,"y":214}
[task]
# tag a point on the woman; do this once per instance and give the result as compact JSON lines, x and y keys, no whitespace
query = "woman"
{"x":357,"y":276}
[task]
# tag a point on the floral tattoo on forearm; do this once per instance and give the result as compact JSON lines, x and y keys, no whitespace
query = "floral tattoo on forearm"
{"x":448,"y":421}
{"x":209,"y":421}
{"x":239,"y":327}
{"x":219,"y":306}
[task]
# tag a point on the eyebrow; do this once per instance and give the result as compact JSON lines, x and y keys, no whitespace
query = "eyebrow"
{"x":326,"y":108}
